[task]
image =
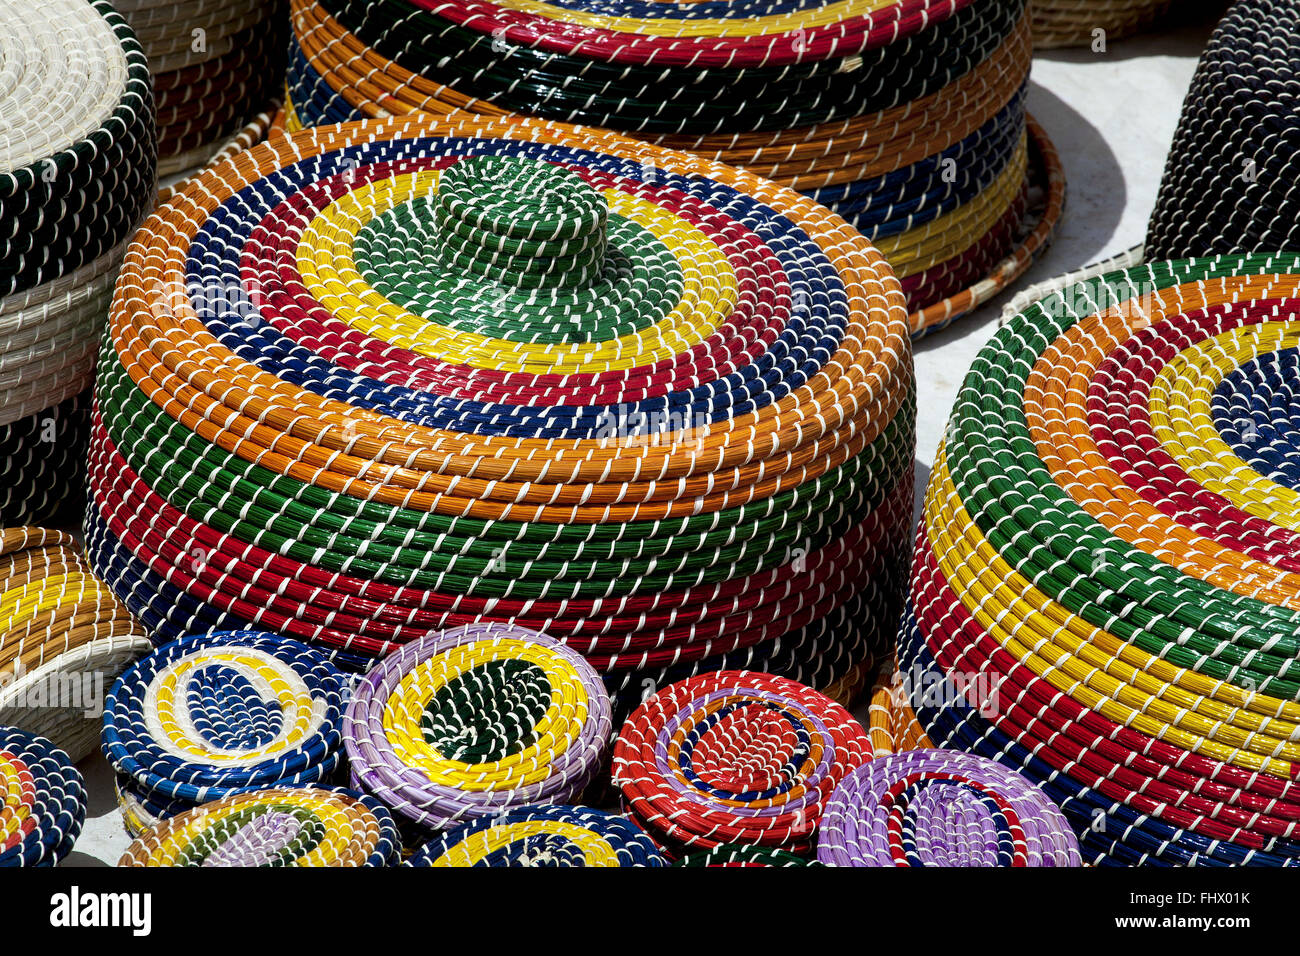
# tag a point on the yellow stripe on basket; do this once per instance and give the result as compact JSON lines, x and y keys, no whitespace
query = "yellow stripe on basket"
{"x":21,"y":604}
{"x":480,"y":844}
{"x":810,"y":18}
{"x":16,"y":810}
{"x":300,"y":710}
{"x":337,"y":823}
{"x":1181,"y":418}
{"x":329,"y":273}
{"x":1096,"y":668}
{"x":950,"y":235}
{"x":565,"y":715}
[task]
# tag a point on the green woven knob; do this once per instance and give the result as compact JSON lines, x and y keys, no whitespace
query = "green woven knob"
{"x":520,"y":223}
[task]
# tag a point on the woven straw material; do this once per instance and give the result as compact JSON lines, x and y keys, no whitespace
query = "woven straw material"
{"x":891,"y":722}
{"x":942,"y":808}
{"x":1069,"y":23}
{"x":1229,"y":181}
{"x":733,"y":855}
{"x":476,"y":721}
{"x":735,"y":757}
{"x":42,"y":801}
{"x":76,"y":176}
{"x":910,"y":114}
{"x":278,"y":826}
{"x":1105,"y":592}
{"x":700,"y":457}
{"x":62,"y":633}
{"x":542,"y":836}
{"x":207,"y":716}
{"x":214,"y":62}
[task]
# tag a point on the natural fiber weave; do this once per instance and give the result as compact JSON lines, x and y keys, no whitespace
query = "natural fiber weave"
{"x":942,"y":808}
{"x":1229,"y":181}
{"x":1104,"y":593}
{"x":735,"y":757}
{"x":212,"y":715}
{"x":701,"y":459}
{"x":1068,"y":23}
{"x":732,"y":855}
{"x":476,"y":721}
{"x":76,"y":176}
{"x":62,"y":634}
{"x":278,"y":826}
{"x":42,"y":801}
{"x":542,"y":836}
{"x":896,"y":115}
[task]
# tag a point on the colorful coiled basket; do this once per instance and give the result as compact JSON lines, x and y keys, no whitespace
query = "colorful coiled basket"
{"x":42,"y":800}
{"x":907,"y":118}
{"x":277,"y":826}
{"x":211,"y":715}
{"x":942,"y":808}
{"x":476,"y":721}
{"x":64,"y":638}
{"x":325,"y":409}
{"x":77,"y":155}
{"x":735,"y":758}
{"x":543,"y":836}
{"x":1105,"y":590}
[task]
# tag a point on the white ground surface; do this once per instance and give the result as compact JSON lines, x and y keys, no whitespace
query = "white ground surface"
{"x":1112,"y":117}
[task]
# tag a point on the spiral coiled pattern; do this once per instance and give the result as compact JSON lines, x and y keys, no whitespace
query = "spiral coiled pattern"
{"x":42,"y":800}
{"x":1105,"y":578}
{"x":942,"y":808}
{"x":62,"y":635}
{"x":735,"y":757}
{"x":906,"y":118}
{"x":475,"y":721}
{"x":543,"y":836}
{"x":215,"y":714}
{"x":702,"y":459}
{"x":277,"y":826}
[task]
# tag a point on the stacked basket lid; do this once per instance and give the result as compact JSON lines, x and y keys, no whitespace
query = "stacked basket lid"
{"x":214,"y":63}
{"x":475,"y":721}
{"x":62,"y":634}
{"x":277,"y":826}
{"x":942,"y":808}
{"x":905,"y":117}
{"x":208,"y":716}
{"x":700,"y":457}
{"x":1090,"y":23}
{"x":1107,"y":576}
{"x":1229,"y":181}
{"x":42,"y":800}
{"x":76,"y":177}
{"x":735,"y":757}
{"x":543,"y":836}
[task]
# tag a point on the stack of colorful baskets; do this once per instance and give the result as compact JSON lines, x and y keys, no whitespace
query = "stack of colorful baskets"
{"x":700,"y":459}
{"x":942,"y":808}
{"x":544,"y":836}
{"x":1229,"y":184}
{"x":76,"y":177}
{"x":213,"y":715}
{"x":735,"y":758}
{"x":42,"y":801}
{"x":1106,"y":591}
{"x":278,"y":826}
{"x":476,"y":721}
{"x":62,"y":634}
{"x":1069,"y":23}
{"x":215,"y":63}
{"x":905,"y":116}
